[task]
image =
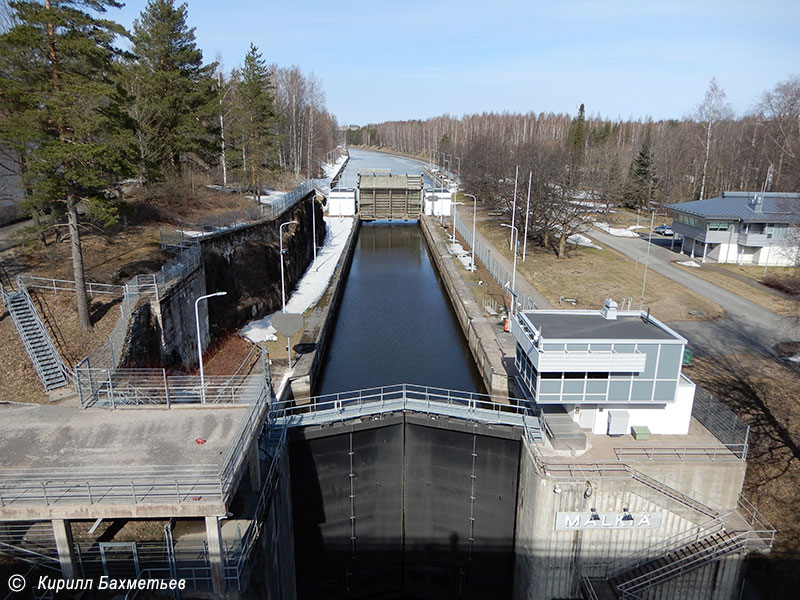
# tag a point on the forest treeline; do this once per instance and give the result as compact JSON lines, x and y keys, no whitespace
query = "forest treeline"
{"x":86,"y":105}
{"x":666,"y":161}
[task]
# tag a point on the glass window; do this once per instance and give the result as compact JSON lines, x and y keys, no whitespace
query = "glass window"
{"x":718,"y":226}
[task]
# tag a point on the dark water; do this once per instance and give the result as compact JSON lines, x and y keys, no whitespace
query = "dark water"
{"x":395,"y":323}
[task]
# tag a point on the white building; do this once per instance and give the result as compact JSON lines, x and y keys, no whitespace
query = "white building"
{"x":745,"y":228}
{"x":610,"y":371}
{"x":342,"y":202}
{"x":437,"y":202}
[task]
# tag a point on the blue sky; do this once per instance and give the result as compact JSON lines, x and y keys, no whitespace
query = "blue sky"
{"x":382,"y":60}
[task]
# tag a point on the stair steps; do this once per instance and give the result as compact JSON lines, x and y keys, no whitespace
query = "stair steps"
{"x":36,"y":339}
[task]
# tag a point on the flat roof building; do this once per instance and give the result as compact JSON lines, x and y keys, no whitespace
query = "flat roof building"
{"x":609,"y":370}
{"x":756,"y":228}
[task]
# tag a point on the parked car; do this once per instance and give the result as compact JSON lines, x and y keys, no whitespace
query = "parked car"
{"x":664,"y":230}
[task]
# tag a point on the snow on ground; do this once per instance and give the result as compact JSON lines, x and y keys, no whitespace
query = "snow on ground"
{"x":689,"y":263}
{"x":464,"y":257}
{"x":313,"y":283}
{"x":582,"y":240}
{"x":331,"y":170}
{"x":616,"y":231}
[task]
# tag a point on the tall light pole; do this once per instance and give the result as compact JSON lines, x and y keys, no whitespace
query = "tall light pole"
{"x":647,"y":257}
{"x":514,"y":207}
{"x":474,"y":212}
{"x":283,"y":283}
{"x":515,"y":241}
{"x":527,"y":214}
{"x":200,"y":342}
{"x":313,"y":227}
{"x":454,"y":219}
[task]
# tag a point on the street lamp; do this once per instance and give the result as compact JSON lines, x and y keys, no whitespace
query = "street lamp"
{"x":474,"y":213}
{"x":515,"y":241}
{"x":200,"y":342}
{"x":283,"y":284}
{"x":647,"y":257}
{"x":283,"y":287}
{"x":455,"y":212}
{"x":527,"y":214}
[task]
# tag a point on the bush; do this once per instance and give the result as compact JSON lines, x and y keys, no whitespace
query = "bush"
{"x":787,"y":285}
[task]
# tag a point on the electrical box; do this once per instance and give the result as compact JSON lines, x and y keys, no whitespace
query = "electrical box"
{"x":617,"y":422}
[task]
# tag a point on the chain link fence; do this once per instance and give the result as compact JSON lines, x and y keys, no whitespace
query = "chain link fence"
{"x":484,"y":254}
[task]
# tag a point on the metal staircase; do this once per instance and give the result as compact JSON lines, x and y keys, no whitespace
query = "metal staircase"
{"x":36,"y":339}
{"x":741,"y":530}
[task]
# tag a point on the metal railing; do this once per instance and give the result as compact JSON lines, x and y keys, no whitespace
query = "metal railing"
{"x":63,"y":285}
{"x":137,"y":485}
{"x":718,"y":453}
{"x":352,"y":404}
{"x":484,"y":254}
{"x":114,"y":388}
{"x":720,"y":421}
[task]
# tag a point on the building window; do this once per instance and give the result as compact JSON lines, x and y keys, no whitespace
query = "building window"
{"x":776,"y":231}
{"x":719,"y":226}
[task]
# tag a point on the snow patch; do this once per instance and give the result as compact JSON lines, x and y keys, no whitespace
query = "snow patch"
{"x":582,"y":240}
{"x":689,"y":263}
{"x":616,"y":231}
{"x":314,"y":282}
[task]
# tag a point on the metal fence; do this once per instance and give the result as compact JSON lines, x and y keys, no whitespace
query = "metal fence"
{"x":138,"y":485}
{"x":112,"y":388}
{"x":190,"y":233}
{"x":720,"y":421}
{"x":484,"y":254}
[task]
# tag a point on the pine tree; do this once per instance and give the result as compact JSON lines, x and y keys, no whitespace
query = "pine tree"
{"x":175,"y":96}
{"x":642,"y":181}
{"x":79,"y":141}
{"x":256,"y":117}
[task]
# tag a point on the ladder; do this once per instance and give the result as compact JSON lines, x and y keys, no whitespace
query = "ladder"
{"x":36,"y":339}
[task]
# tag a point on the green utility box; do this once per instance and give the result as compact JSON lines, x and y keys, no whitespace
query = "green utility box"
{"x":640,"y":433}
{"x":687,"y":357}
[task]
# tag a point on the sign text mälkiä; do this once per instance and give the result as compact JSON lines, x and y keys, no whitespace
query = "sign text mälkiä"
{"x":579,"y":520}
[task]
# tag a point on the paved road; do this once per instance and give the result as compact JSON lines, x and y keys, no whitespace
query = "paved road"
{"x":746,"y":326}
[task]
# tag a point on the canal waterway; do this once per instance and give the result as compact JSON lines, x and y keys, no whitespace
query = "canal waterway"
{"x":395,"y":323}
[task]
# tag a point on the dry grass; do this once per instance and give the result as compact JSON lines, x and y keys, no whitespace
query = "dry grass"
{"x":590,"y":276}
{"x":765,"y":394}
{"x":754,"y":293}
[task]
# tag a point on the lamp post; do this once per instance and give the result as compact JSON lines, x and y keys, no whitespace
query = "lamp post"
{"x":455,"y":212}
{"x":515,"y":241}
{"x":527,"y":214}
{"x":200,"y":342}
{"x":474,"y":212}
{"x":647,"y":257}
{"x":283,"y":288}
{"x":283,"y":283}
{"x":514,"y":206}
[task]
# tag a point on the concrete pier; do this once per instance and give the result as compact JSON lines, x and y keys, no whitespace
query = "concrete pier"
{"x":491,"y":347}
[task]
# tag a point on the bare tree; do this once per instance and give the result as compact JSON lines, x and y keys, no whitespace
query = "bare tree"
{"x":712,"y":110}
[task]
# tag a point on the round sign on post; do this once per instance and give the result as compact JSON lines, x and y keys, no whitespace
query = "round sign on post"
{"x":287,"y":323}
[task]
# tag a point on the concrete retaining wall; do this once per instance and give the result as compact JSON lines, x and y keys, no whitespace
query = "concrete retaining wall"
{"x":175,"y":319}
{"x":319,"y":324}
{"x":548,"y":562}
{"x":470,"y":316}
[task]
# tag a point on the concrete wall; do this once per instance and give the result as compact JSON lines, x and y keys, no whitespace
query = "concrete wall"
{"x":246,"y":263}
{"x":319,"y":324}
{"x":175,"y":319}
{"x":548,"y":562}
{"x":470,"y":317}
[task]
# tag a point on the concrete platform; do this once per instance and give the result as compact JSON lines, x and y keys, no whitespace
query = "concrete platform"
{"x":71,"y":463}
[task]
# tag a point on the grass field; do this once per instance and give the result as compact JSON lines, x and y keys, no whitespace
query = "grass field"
{"x":590,"y":276}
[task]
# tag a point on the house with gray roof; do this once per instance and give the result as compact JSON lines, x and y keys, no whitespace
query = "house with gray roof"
{"x":607,"y":370}
{"x":746,"y":228}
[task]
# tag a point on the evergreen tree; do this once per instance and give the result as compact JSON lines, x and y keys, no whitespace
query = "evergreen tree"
{"x":642,"y":181}
{"x":256,"y":119}
{"x":175,"y":96}
{"x":577,"y":136}
{"x":76,"y":138}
